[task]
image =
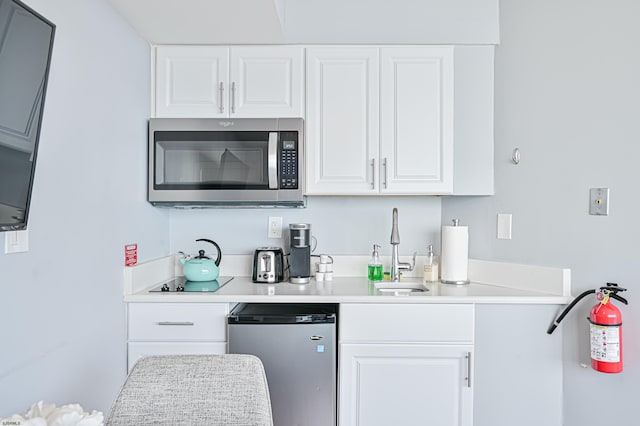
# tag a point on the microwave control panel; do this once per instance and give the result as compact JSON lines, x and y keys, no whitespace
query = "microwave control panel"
{"x":288,"y":161}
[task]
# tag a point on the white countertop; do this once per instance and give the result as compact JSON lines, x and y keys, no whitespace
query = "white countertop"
{"x":350,"y":290}
{"x":492,"y":282}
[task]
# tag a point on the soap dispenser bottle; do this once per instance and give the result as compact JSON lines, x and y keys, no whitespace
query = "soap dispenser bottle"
{"x":430,"y":267}
{"x":374,"y":269}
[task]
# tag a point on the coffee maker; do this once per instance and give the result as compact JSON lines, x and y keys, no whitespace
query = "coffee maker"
{"x":299,"y":253}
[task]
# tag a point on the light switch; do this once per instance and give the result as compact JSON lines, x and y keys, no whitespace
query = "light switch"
{"x":16,"y":241}
{"x":504,"y":226}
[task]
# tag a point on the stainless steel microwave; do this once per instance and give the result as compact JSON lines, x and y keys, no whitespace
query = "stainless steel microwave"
{"x":199,"y":162}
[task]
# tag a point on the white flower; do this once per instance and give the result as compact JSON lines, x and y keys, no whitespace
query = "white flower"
{"x":74,"y":415}
{"x":39,"y":409}
{"x":41,"y":414}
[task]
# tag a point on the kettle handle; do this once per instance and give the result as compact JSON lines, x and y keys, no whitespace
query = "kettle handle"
{"x":219,"y":258}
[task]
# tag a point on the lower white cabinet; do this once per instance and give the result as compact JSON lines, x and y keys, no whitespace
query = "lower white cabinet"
{"x":406,"y":364}
{"x":176,"y":329}
{"x":386,"y":384}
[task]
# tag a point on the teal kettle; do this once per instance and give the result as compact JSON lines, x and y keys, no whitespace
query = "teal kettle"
{"x":202,"y":267}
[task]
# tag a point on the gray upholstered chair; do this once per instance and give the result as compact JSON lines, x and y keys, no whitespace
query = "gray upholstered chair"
{"x":194,"y":390}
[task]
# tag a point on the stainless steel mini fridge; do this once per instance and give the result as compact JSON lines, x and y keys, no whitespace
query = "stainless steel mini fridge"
{"x":297,"y":345}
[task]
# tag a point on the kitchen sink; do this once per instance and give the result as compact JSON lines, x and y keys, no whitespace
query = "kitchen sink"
{"x":400,"y":288}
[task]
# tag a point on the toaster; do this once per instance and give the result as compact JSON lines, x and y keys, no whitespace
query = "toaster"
{"x":268,"y":265}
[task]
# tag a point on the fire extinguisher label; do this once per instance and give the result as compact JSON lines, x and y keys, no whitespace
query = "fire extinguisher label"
{"x":605,"y":343}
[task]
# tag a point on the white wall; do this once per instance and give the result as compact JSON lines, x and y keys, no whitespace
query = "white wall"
{"x":567,"y":90}
{"x":62,"y":338}
{"x":382,"y":21}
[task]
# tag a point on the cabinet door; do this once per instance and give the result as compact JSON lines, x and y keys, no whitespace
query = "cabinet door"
{"x":342,"y":120}
{"x":409,"y":385}
{"x":191,"y":81}
{"x":417,"y":120}
{"x":266,"y":82}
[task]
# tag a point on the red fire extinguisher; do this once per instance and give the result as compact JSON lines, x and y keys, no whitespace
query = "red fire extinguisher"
{"x":605,"y":324}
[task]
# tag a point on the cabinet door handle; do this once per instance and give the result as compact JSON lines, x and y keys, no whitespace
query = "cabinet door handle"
{"x":233,"y":97}
{"x":373,"y":173}
{"x":384,"y":166}
{"x":221,"y":97}
{"x":468,"y":369}
{"x":176,"y":323}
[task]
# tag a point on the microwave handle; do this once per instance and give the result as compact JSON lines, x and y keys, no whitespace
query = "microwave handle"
{"x":273,"y":160}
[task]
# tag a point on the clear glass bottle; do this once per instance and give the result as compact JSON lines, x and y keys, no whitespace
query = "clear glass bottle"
{"x":374,"y":269}
{"x":430,"y":274}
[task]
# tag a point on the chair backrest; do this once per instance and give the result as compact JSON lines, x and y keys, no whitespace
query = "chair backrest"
{"x":229,"y":390}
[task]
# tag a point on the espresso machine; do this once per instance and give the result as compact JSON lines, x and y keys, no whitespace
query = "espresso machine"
{"x":299,"y":253}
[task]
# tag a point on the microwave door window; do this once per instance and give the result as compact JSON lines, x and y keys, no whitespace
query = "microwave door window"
{"x":232,"y":170}
{"x":211,"y":164}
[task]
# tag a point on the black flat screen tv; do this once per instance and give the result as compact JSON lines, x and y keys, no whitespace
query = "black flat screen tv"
{"x":26,"y":43}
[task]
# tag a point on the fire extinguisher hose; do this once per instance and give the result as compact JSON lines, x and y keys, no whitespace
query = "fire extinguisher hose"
{"x":611,"y":287}
{"x":566,"y":310}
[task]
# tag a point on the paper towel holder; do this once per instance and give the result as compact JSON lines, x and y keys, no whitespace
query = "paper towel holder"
{"x":456,"y":223}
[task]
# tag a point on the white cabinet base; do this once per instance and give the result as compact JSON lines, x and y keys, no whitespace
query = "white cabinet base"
{"x":176,"y":329}
{"x":391,"y":384}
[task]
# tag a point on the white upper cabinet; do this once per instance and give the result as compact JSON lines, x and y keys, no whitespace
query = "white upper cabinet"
{"x":210,"y":81}
{"x":191,"y":81}
{"x":342,"y":120}
{"x":416,"y":120}
{"x":267,"y":81}
{"x":379,"y":120}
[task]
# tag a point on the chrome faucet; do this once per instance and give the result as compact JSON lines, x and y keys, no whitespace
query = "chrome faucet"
{"x":396,"y":265}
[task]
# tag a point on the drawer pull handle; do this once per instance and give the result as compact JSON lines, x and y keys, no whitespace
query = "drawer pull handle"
{"x":176,"y":323}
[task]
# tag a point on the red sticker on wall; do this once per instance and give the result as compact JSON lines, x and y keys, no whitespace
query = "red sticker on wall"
{"x":131,"y":255}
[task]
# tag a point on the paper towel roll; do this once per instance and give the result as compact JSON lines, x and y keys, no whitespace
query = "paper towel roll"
{"x":454,"y":259}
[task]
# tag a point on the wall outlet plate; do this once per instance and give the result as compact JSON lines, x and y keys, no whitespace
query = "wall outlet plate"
{"x":275,"y":227}
{"x":504,"y":226}
{"x":599,"y":201}
{"x":16,"y":241}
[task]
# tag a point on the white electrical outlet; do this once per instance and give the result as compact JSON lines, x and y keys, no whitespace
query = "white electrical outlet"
{"x":504,"y":226}
{"x":275,"y":227}
{"x":16,"y":241}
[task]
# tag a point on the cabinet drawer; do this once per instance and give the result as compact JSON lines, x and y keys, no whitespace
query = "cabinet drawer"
{"x":448,"y":323}
{"x":139,"y":349}
{"x":177,"y":321}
